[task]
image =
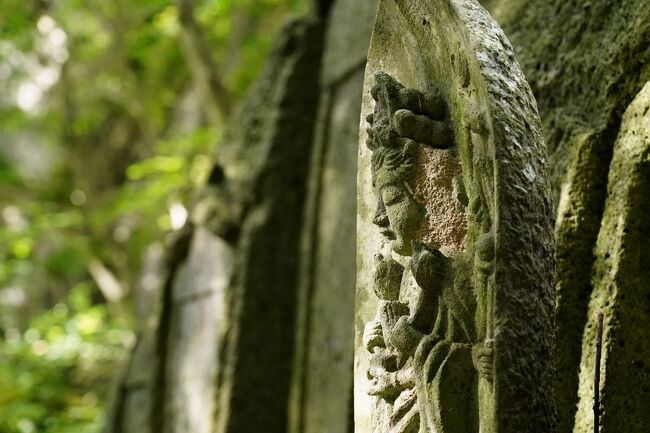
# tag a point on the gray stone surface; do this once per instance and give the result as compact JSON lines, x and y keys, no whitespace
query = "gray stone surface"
{"x":585,"y":61}
{"x":321,"y":398}
{"x":143,"y":361}
{"x":332,"y":313}
{"x":622,"y":287}
{"x":132,"y":405}
{"x":170,"y":382}
{"x":207,"y":270}
{"x":196,"y":334}
{"x":137,"y":411}
{"x":349,"y":28}
{"x":453,"y":48}
{"x":323,"y":371}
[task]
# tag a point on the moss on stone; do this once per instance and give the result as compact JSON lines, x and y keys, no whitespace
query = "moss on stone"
{"x":585,"y":61}
{"x":621,"y":283}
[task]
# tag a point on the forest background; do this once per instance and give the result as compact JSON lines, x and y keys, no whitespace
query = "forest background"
{"x":110,"y":115}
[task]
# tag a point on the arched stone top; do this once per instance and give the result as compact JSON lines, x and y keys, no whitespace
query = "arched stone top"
{"x":445,"y":95}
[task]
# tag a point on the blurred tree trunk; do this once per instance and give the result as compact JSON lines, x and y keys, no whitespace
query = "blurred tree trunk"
{"x":202,"y":65}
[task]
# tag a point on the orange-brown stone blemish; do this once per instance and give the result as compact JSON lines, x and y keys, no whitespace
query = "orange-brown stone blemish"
{"x":444,"y":225}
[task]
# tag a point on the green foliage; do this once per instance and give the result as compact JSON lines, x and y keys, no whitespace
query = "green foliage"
{"x":55,"y":377}
{"x":244,"y":39}
{"x":15,"y":17}
{"x":103,"y":139}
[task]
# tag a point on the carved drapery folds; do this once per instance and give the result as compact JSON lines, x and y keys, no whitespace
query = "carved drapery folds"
{"x":455,"y":250}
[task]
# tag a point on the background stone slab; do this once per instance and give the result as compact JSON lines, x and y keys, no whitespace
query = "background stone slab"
{"x":621,"y":281}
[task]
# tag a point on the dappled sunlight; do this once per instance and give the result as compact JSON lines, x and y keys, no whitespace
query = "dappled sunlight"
{"x":41,"y":68}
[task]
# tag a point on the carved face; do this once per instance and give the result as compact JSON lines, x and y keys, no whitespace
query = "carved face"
{"x":398,"y":216}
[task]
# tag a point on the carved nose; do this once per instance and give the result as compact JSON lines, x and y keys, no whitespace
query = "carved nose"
{"x":381,"y":218}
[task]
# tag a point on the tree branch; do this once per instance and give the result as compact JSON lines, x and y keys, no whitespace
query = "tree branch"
{"x":199,"y":58}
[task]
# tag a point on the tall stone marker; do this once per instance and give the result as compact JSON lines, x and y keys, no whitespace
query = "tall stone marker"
{"x":455,"y":259}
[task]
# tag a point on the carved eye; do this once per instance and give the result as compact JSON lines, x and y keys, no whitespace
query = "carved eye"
{"x":391,"y":195}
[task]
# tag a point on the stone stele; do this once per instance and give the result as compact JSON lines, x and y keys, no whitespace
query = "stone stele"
{"x":455,"y":254}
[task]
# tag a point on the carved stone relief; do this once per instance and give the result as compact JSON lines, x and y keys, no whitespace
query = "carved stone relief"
{"x":455,"y":259}
{"x":421,"y":341}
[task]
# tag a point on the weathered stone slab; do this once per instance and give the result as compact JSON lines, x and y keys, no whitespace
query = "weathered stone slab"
{"x":455,"y":245}
{"x":562,"y":49}
{"x":207,"y":270}
{"x":192,"y":365}
{"x":322,"y":392}
{"x":321,"y":399}
{"x":622,"y":287}
{"x":198,"y":322}
{"x":273,"y":138}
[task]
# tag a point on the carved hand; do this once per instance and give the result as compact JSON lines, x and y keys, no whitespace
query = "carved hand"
{"x":422,"y":118}
{"x":414,"y":115}
{"x":383,"y":385}
{"x":391,"y":311}
{"x":429,"y":266}
{"x":390,"y":384}
{"x":423,"y":129}
{"x":382,"y":361}
{"x":373,"y":336}
{"x":405,"y":337}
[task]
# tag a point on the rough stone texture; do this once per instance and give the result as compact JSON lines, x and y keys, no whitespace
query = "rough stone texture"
{"x":525,"y":250}
{"x":455,"y":45}
{"x":585,"y":61}
{"x":272,"y":144}
{"x":447,"y":222}
{"x":621,"y":282}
